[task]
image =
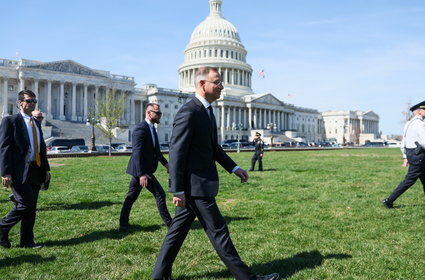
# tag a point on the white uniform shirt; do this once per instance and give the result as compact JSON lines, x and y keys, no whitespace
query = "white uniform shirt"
{"x":414,"y":130}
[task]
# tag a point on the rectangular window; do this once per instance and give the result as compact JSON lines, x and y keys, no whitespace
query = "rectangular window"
{"x":10,"y":88}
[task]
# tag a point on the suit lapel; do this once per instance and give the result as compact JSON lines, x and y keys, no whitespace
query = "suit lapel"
{"x":20,"y":123}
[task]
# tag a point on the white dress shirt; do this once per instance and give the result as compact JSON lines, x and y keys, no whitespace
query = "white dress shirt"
{"x":31,"y":136}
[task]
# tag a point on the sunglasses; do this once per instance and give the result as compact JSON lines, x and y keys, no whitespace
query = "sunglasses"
{"x":29,"y":101}
{"x":39,"y":118}
{"x":156,"y":112}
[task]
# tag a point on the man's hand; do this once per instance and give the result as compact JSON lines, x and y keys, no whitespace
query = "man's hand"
{"x":143,"y":180}
{"x":241,"y":173}
{"x":7,"y":180}
{"x":179,"y":200}
{"x":405,"y":163}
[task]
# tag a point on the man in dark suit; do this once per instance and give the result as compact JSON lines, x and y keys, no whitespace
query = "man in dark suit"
{"x":24,"y":167}
{"x":258,"y":154}
{"x":142,"y":166}
{"x":194,"y":151}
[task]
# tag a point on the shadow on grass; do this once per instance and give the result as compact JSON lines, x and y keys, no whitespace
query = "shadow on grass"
{"x":33,"y":259}
{"x":264,"y":169}
{"x":197,"y":225}
{"x":93,"y":205}
{"x":285,"y":267}
{"x":409,"y":205}
{"x":99,"y":235}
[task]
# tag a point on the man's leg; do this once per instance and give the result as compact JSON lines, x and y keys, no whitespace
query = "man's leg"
{"x":412,"y":175}
{"x":134,"y":190}
{"x":173,"y":241}
{"x":260,"y":163}
{"x":158,"y":192}
{"x":28,"y":221}
{"x":215,"y":226}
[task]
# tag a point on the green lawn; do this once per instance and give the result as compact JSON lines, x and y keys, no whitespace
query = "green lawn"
{"x":309,"y":215}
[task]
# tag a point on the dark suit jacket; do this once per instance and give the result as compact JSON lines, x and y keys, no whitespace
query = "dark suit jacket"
{"x":144,"y":158}
{"x":194,"y":151}
{"x":15,"y":148}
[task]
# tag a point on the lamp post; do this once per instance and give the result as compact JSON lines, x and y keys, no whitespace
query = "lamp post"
{"x":92,"y":121}
{"x":271,"y":127}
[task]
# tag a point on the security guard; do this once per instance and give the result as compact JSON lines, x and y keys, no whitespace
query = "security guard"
{"x":258,"y":154}
{"x":413,"y":151}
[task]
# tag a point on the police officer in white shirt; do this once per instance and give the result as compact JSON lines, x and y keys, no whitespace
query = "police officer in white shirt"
{"x":412,"y":147}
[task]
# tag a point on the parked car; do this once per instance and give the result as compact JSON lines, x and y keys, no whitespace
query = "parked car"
{"x":58,"y":150}
{"x":103,"y":149}
{"x":115,"y":145}
{"x":68,"y":142}
{"x":80,"y":149}
{"x":124,"y":148}
{"x":164,"y":147}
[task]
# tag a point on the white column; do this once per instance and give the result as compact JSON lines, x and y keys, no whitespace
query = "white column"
{"x":97,"y":97}
{"x":239,"y":117}
{"x":61,"y":101}
{"x":279,"y":118}
{"x":133,"y":111}
{"x":249,"y":118}
{"x":222,"y":123}
{"x":74,"y":102}
{"x":85,"y":110}
{"x":234,"y":116}
{"x":260,"y":119}
{"x":5,"y":99}
{"x":21,"y":82}
{"x":49,"y":101}
{"x":228,"y":118}
{"x":35,"y":88}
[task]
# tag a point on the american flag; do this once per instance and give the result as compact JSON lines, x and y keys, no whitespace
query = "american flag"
{"x":262,"y":74}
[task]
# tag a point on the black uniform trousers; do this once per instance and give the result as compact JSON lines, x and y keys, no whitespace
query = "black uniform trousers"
{"x":24,"y":211}
{"x":208,"y":214}
{"x":254,"y":159}
{"x":416,"y":171}
{"x":134,"y":190}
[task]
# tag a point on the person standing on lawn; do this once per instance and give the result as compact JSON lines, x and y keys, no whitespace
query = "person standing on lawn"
{"x":194,"y":151}
{"x":24,"y":167}
{"x":258,"y":143}
{"x":142,"y":166}
{"x":412,"y":147}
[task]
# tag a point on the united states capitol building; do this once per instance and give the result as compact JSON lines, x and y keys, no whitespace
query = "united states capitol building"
{"x":67,"y":90}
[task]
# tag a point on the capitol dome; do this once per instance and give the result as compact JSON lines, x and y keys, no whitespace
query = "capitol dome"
{"x":216,"y":42}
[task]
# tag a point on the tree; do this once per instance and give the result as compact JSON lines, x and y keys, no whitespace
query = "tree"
{"x":407,"y":115}
{"x":110,"y":110}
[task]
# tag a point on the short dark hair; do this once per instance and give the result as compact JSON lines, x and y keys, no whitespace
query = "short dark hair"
{"x":27,"y":92}
{"x":151,"y":105}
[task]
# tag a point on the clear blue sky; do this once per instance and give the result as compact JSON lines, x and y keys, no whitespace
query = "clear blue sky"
{"x":326,"y":54}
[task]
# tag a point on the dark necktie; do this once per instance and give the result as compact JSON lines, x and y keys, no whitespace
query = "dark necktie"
{"x":155,"y":136}
{"x":212,"y":117}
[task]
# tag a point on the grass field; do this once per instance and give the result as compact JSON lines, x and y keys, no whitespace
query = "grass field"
{"x":309,"y":215}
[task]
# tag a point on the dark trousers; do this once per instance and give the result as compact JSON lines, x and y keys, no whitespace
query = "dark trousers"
{"x":215,"y":226}
{"x":416,"y":171}
{"x":24,"y":211}
{"x":254,"y":159}
{"x":134,"y":190}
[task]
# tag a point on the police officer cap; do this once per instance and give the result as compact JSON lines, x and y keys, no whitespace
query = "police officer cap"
{"x":257,"y":134}
{"x":418,"y":106}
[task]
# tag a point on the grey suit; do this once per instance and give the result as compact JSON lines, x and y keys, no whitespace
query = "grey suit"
{"x":194,"y":152}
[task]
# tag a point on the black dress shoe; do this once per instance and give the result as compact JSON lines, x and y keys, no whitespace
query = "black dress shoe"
{"x":387,"y":203}
{"x":32,"y":246}
{"x":273,"y":276}
{"x":125,"y":228}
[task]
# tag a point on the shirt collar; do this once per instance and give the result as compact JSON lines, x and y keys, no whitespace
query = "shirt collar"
{"x":149,"y":123}
{"x":25,"y":116}
{"x":203,"y":100}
